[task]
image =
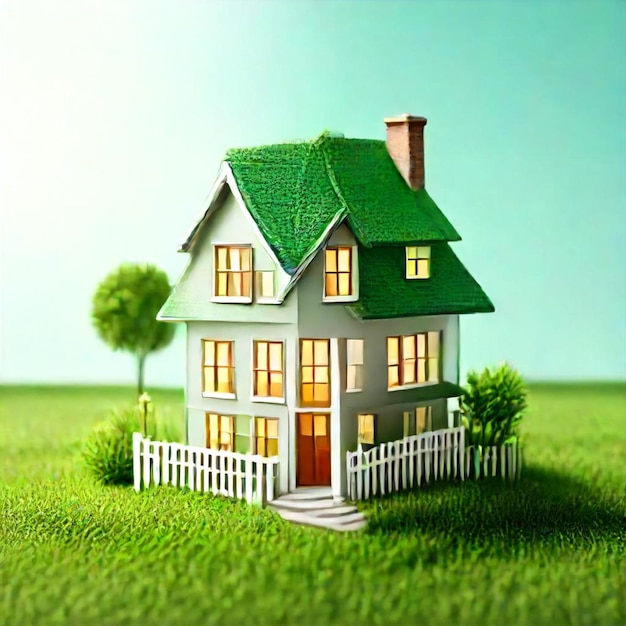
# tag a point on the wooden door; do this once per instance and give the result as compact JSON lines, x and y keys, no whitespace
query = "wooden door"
{"x":313,"y":449}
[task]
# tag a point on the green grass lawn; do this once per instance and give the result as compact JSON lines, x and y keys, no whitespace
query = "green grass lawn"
{"x":550,"y":550}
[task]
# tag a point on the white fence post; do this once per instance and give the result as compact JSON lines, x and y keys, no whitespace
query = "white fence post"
{"x":137,"y":460}
{"x":145,"y":444}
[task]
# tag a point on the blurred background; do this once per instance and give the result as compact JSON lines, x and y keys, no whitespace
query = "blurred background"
{"x":114,"y":117}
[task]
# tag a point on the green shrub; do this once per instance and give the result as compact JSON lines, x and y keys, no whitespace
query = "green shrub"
{"x":168,"y":431}
{"x":108,"y":452}
{"x":493,"y":405}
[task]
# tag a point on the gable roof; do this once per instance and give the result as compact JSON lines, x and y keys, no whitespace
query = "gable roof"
{"x":385,"y":293}
{"x":294,"y":191}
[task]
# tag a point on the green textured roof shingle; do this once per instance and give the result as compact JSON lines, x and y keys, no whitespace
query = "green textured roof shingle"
{"x":384,"y":292}
{"x":295,"y":190}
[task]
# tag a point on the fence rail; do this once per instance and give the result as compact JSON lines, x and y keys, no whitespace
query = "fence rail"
{"x":437,"y":455}
{"x":244,"y":476}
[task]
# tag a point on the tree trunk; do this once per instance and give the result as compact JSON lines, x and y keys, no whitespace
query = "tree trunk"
{"x":141,"y":360}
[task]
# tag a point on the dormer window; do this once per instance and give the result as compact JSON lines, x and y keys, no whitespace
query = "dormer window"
{"x":233,"y":273}
{"x":417,"y":262}
{"x":340,"y":279}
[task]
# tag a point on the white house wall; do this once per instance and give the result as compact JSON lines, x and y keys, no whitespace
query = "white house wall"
{"x":242,"y":335}
{"x":317,"y":319}
{"x":230,"y":224}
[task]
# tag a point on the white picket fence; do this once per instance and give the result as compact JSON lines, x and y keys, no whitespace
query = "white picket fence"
{"x":244,"y":476}
{"x":504,"y":461}
{"x":406,"y":463}
{"x":436,"y":455}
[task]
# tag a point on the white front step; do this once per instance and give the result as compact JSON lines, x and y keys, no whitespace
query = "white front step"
{"x":354,"y":521}
{"x":335,"y":511}
{"x":312,"y":493}
{"x":301,"y":505}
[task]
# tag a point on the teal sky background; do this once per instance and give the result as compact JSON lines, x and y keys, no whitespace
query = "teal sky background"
{"x":114,"y":117}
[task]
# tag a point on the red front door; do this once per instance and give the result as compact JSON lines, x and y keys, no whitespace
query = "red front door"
{"x":313,"y":449}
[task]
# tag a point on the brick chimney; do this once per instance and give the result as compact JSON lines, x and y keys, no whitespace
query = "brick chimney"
{"x":405,"y":144}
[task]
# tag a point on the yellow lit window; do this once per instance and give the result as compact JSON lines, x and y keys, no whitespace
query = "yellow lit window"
{"x":418,"y":261}
{"x":366,"y":428}
{"x":219,"y":431}
{"x":266,"y":436}
{"x":423,"y":419}
{"x":315,"y":372}
{"x":354,"y":355}
{"x":218,"y":370}
{"x":418,"y":422}
{"x":338,"y":272}
{"x":233,"y":271}
{"x":268,"y":369}
{"x":413,"y":359}
{"x":264,"y":284}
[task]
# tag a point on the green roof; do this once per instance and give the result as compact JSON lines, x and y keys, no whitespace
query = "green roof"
{"x":295,"y":190}
{"x":384,"y":292}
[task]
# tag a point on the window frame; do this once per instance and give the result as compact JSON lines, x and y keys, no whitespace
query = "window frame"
{"x":207,"y":430}
{"x":216,"y":271}
{"x":422,"y":253}
{"x":269,"y":399}
{"x":410,"y":425}
{"x":258,"y":286}
{"x":232,"y":394}
{"x":352,"y":363}
{"x":361,"y":432}
{"x":426,"y":359}
{"x":353,"y":274}
{"x":314,"y":367}
{"x":256,"y":437}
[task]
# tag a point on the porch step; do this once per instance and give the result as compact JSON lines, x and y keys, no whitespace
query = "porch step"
{"x":341,"y":523}
{"x":312,"y":493}
{"x":301,"y":505}
{"x":335,"y":511}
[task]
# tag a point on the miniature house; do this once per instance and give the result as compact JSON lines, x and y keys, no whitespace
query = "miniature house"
{"x":322,"y":302}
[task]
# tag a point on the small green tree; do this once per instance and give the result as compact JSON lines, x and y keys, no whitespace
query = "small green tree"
{"x":493,"y":405}
{"x":125,"y":306}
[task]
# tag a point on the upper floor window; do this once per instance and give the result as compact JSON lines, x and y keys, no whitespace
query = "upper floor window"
{"x":418,"y":261}
{"x":268,"y":369}
{"x":233,"y":273}
{"x":315,"y":372}
{"x":413,"y":359}
{"x":340,"y":273}
{"x":354,"y":359}
{"x":218,"y":371}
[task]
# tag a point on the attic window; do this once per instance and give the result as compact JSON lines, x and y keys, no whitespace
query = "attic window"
{"x":233,"y":273}
{"x":264,"y":285}
{"x":417,"y":262}
{"x":340,"y":280}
